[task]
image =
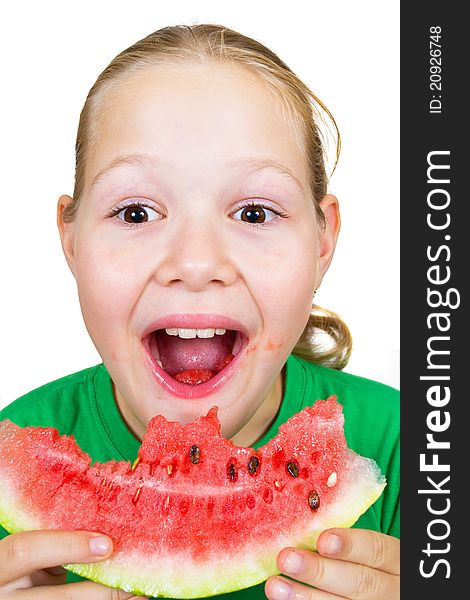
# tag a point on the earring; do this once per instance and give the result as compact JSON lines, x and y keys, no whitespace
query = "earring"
{"x":314,"y":292}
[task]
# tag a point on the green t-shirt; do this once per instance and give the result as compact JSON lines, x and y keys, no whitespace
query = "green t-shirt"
{"x":83,"y":404}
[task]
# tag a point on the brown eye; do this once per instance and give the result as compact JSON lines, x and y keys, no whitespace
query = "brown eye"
{"x":253,"y":214}
{"x":137,"y":214}
{"x":256,"y":214}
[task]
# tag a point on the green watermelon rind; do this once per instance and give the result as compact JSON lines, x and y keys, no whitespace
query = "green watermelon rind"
{"x":360,"y":485}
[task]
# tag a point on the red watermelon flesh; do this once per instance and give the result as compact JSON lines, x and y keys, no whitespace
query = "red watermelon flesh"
{"x":196,"y":515}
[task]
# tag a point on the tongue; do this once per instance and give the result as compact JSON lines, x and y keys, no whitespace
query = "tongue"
{"x":180,"y":356}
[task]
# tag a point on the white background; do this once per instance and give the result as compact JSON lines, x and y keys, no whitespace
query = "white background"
{"x":52,"y":52}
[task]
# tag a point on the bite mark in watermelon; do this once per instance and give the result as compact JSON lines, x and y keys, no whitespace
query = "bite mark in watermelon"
{"x":195,"y":515}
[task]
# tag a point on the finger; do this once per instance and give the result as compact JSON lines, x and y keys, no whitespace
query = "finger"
{"x":346,"y":579}
{"x":280,"y":588}
{"x":29,"y":551}
{"x":85,"y":590}
{"x":33,"y":580}
{"x":362,"y":546}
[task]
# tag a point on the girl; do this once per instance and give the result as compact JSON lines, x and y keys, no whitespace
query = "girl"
{"x":199,"y":230}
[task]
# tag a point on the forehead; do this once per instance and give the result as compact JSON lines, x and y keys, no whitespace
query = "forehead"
{"x":195,"y":115}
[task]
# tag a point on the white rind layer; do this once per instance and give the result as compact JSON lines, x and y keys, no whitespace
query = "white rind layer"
{"x":179,"y":576}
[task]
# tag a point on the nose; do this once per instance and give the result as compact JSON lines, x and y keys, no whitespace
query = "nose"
{"x":196,"y":256}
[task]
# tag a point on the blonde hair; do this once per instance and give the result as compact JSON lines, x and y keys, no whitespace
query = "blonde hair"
{"x":210,"y":42}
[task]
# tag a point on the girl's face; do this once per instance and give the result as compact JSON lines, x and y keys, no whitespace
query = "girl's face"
{"x":165,"y":237}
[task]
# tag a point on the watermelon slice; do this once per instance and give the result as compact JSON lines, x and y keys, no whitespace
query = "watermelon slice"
{"x":195,"y":515}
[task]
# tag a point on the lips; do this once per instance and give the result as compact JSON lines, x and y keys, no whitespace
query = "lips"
{"x":181,"y":371}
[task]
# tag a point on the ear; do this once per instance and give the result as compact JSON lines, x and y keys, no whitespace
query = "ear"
{"x":329,"y":234}
{"x":66,"y":232}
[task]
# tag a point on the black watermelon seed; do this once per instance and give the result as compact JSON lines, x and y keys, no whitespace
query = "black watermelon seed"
{"x":314,"y":500}
{"x":293,"y":469}
{"x":231,"y":471}
{"x":194,"y":454}
{"x":253,"y":465}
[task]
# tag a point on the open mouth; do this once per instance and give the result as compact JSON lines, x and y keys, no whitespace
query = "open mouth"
{"x":193,"y":357}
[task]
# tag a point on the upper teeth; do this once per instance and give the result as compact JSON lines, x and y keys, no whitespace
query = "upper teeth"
{"x":192,"y":333}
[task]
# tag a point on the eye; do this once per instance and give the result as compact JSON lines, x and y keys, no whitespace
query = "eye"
{"x":257,"y":214}
{"x":136,"y":214}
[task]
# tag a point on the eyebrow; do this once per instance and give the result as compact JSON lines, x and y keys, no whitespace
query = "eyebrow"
{"x":146,"y":160}
{"x":133,"y":160}
{"x":256,"y":164}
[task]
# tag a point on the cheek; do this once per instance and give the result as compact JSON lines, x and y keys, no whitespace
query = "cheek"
{"x":288,"y":313}
{"x":284,"y":282}
{"x":107,"y":284}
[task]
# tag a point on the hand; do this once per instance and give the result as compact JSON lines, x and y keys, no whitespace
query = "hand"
{"x":29,"y":571}
{"x":351,"y":563}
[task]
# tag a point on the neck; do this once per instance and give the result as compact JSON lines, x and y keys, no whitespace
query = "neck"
{"x":264,"y":417}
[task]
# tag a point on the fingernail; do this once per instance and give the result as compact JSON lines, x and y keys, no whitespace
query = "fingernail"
{"x":293,"y":563}
{"x":100,"y":545}
{"x":333,"y":544}
{"x":279,"y":590}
